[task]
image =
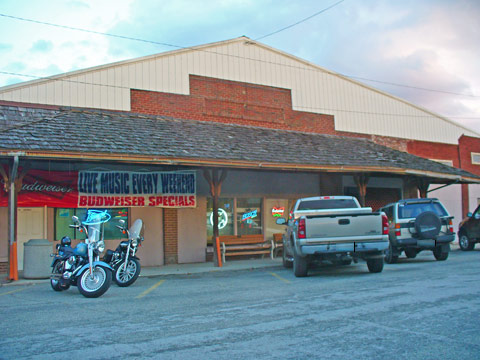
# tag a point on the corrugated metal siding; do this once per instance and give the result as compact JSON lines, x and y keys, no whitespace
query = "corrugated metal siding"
{"x":356,"y":108}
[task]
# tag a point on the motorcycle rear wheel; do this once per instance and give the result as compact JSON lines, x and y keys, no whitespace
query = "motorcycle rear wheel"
{"x":127,"y":277}
{"x":55,"y":283}
{"x":94,"y":285}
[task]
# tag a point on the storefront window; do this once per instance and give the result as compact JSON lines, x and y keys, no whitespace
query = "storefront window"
{"x":63,"y":218}
{"x":249,"y":216}
{"x":225,"y":217}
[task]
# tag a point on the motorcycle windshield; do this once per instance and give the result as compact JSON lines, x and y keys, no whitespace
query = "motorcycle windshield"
{"x":93,"y":233}
{"x":136,"y":229}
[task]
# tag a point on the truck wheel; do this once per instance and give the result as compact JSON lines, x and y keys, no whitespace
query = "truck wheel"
{"x":300,"y":265}
{"x":389,"y":257}
{"x":411,"y":253}
{"x":439,"y":254}
{"x":286,"y":263}
{"x":465,"y":243}
{"x":375,"y":265}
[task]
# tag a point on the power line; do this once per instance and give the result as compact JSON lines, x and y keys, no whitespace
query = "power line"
{"x":301,"y":21}
{"x":320,"y":110}
{"x":409,"y":86}
{"x":228,"y":55}
{"x":91,"y":31}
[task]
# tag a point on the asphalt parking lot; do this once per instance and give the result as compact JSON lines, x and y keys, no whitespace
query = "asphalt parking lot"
{"x":416,"y":309}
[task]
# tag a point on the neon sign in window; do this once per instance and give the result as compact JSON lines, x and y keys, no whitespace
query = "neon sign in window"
{"x":278,"y":211}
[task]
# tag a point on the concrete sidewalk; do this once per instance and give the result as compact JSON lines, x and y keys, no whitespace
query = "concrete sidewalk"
{"x":176,"y":269}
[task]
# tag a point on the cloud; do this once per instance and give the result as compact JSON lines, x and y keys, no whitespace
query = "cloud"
{"x":42,"y":46}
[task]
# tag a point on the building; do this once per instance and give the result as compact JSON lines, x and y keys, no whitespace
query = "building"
{"x":150,"y":137}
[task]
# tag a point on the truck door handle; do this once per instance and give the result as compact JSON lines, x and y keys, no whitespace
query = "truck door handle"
{"x":343,"y":222}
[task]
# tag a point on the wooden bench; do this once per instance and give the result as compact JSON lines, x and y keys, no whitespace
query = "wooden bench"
{"x":277,"y":243}
{"x":237,"y":245}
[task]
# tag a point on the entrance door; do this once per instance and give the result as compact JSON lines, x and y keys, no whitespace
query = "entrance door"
{"x":29,"y":226}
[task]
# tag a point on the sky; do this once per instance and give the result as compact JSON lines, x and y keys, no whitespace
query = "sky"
{"x":424,"y":51}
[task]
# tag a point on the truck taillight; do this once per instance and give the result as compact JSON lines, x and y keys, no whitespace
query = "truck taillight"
{"x":302,"y":231}
{"x":397,"y":230}
{"x":385,"y":224}
{"x":450,"y":226}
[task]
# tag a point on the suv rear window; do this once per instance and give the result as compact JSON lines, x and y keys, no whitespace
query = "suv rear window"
{"x":327,"y":204}
{"x":407,"y":211}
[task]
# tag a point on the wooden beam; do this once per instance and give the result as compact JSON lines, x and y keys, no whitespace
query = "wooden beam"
{"x":215,"y":181}
{"x":361,"y":180}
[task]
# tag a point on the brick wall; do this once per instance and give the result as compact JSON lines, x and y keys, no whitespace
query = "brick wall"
{"x":233,"y":103}
{"x":3,"y":267}
{"x":467,"y":145}
{"x":170,"y":231}
{"x":431,"y":150}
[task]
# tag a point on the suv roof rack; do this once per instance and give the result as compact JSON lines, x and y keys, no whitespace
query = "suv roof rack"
{"x":418,"y":201}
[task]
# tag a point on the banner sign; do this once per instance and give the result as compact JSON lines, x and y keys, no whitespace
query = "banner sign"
{"x":86,"y":189}
{"x":129,"y":188}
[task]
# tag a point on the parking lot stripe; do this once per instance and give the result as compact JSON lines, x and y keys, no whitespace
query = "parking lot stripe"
{"x":280,"y":278}
{"x":13,"y":291}
{"x":146,"y":292}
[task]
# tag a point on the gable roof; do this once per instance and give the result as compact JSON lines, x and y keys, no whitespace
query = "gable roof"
{"x":357,"y":107}
{"x":69,"y":133}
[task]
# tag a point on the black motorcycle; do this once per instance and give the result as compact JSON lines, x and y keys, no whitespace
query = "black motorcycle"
{"x":80,"y":266}
{"x":125,"y":264}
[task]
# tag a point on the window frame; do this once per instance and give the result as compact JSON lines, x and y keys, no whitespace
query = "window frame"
{"x":472,"y":155}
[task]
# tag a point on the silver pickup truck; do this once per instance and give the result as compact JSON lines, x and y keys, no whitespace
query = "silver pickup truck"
{"x":334,"y":228}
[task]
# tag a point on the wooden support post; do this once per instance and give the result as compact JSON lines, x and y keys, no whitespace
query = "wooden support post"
{"x":215,"y":182}
{"x":361,"y":180}
{"x":422,"y":185}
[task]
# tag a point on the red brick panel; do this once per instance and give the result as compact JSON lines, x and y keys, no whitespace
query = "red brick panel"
{"x":431,"y":150}
{"x":467,"y":145}
{"x":170,"y":223}
{"x":232,"y":102}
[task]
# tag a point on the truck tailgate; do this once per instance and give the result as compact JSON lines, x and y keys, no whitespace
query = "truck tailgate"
{"x":360,"y":226}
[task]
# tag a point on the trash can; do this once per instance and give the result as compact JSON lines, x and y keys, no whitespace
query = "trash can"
{"x":36,"y":259}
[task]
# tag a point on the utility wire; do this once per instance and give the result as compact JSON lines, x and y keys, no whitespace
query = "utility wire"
{"x":320,"y":110}
{"x":91,"y":31}
{"x":301,"y":21}
{"x":409,"y":86}
{"x":213,"y":52}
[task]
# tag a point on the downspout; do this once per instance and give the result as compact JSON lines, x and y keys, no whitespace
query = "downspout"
{"x":12,"y":207}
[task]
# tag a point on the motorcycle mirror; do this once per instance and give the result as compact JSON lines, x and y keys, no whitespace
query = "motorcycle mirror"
{"x":121,"y":221}
{"x":75,"y":218}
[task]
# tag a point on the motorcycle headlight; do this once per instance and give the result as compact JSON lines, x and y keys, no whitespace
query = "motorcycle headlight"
{"x":101,"y":246}
{"x":134,"y":242}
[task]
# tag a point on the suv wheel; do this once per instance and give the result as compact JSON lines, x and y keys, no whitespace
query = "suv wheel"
{"x":439,"y":254}
{"x":411,"y":253}
{"x":375,"y":265}
{"x":300,"y":264}
{"x":389,"y":257}
{"x":465,"y":243}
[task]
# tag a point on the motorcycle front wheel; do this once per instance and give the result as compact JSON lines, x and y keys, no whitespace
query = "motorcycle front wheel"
{"x":126,"y":277}
{"x":95,"y":284}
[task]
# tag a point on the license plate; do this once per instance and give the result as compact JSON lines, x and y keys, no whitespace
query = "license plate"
{"x":426,"y":243}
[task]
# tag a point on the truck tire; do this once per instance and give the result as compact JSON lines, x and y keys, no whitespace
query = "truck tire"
{"x":300,"y":264}
{"x":439,"y":254}
{"x":286,"y":263}
{"x":465,"y":243}
{"x":389,"y":257}
{"x":411,"y":253}
{"x":375,"y":265}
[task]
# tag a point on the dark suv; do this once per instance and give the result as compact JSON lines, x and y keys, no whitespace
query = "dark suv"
{"x":469,"y":230}
{"x":417,"y":225}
